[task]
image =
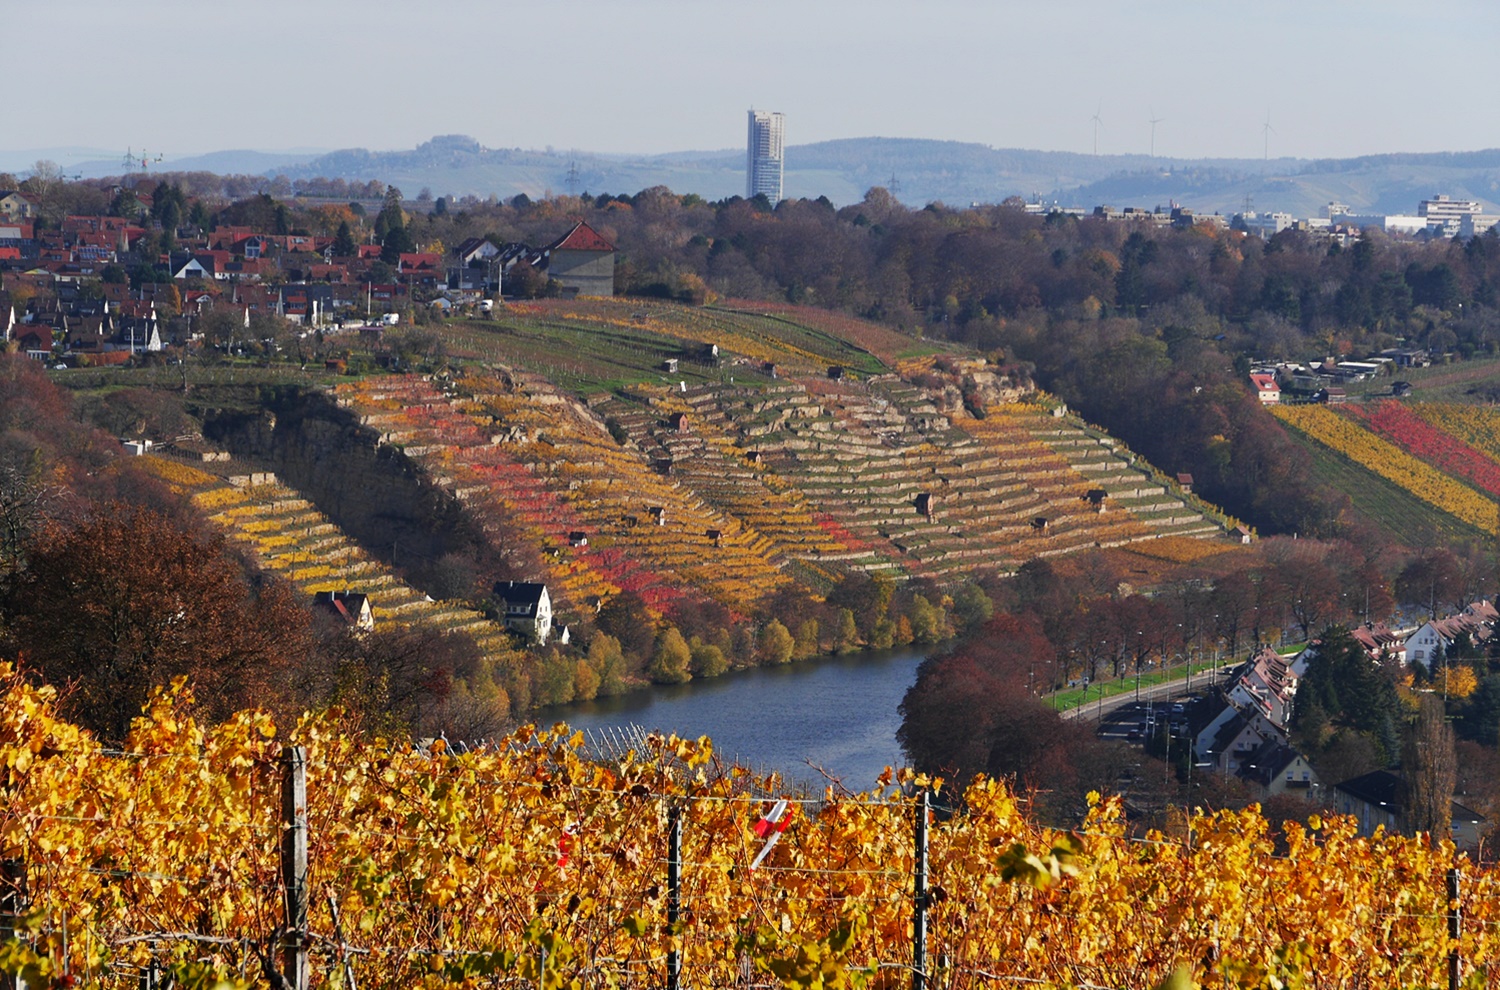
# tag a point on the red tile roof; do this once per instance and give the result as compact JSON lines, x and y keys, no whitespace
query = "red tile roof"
{"x":583,"y":238}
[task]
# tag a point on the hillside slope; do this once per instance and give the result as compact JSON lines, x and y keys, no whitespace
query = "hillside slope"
{"x":747,"y":472}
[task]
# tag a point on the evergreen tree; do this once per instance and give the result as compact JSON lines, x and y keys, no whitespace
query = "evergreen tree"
{"x":343,"y":241}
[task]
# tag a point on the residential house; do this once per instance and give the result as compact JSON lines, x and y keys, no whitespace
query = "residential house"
{"x":1379,"y":640}
{"x":476,"y":250}
{"x":1433,"y":639}
{"x":1376,"y":800}
{"x":526,"y":607}
{"x":351,"y":608}
{"x":1235,"y":734}
{"x":35,"y":342}
{"x":1275,"y":768}
{"x":421,"y":268}
{"x":1266,"y":389}
{"x":1267,"y":683}
{"x":16,"y":205}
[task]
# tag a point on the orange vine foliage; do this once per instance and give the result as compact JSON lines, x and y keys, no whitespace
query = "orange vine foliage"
{"x":457,"y":869}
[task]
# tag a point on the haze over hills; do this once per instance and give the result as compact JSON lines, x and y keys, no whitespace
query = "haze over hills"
{"x":923,"y":171}
{"x":920,"y":171}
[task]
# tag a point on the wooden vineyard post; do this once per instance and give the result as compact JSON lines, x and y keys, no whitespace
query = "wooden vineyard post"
{"x":12,"y":905}
{"x":294,"y":865}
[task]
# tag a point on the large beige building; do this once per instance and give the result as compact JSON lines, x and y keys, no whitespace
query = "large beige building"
{"x":583,"y":262}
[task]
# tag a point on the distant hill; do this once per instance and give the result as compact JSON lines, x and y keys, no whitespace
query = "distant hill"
{"x":923,"y":171}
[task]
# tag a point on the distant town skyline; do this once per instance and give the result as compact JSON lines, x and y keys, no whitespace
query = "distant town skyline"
{"x":1336,"y":79}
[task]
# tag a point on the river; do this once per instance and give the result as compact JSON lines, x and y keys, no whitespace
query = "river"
{"x":837,"y":713}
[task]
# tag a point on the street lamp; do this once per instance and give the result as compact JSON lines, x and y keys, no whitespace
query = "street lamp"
{"x":1138,"y":636}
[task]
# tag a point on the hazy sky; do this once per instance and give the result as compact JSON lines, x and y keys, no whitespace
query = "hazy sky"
{"x":1336,"y":77}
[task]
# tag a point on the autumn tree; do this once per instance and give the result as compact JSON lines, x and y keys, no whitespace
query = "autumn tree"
{"x":129,"y":599}
{"x":29,"y":486}
{"x":672,"y":661}
{"x":608,"y":663}
{"x":774,"y":644}
{"x":708,"y":659}
{"x":1432,"y":577}
{"x":415,"y":680}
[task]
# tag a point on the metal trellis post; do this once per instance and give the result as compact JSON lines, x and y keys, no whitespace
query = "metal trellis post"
{"x":919,"y":896}
{"x":1455,"y":929}
{"x":674,"y":894}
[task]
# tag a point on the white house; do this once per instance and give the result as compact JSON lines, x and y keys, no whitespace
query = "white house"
{"x":349,"y":606}
{"x":526,"y":607}
{"x":1432,"y":640}
{"x":1266,"y":389}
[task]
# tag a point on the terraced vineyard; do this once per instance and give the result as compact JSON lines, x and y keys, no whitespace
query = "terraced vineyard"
{"x":531,"y":460}
{"x":786,"y":458}
{"x":1477,"y":427}
{"x":291,"y":537}
{"x":730,"y":491}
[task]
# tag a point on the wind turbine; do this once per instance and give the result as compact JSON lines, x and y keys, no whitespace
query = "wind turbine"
{"x":1154,"y":121}
{"x":1269,"y":130}
{"x":1097,"y":124}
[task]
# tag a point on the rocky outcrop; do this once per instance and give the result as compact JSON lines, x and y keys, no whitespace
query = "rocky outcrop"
{"x":370,"y":488}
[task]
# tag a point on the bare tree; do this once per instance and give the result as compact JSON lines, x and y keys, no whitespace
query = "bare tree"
{"x":27,"y":490}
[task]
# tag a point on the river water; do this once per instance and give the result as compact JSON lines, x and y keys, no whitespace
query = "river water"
{"x":837,"y":713}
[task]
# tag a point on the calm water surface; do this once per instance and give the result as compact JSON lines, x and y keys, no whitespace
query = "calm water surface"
{"x":838,"y":713}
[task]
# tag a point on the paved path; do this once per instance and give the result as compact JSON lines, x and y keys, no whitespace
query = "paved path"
{"x":1096,"y":710}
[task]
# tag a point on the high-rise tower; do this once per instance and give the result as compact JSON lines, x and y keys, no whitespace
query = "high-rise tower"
{"x":763,"y":160}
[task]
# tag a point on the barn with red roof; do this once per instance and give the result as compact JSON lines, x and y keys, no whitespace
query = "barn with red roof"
{"x":583,"y":262}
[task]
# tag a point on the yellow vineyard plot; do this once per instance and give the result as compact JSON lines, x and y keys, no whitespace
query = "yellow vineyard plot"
{"x":1477,"y":426}
{"x":1392,"y":463}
